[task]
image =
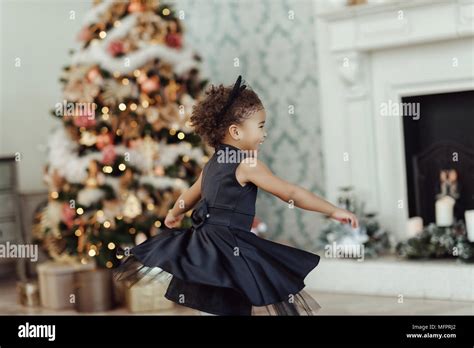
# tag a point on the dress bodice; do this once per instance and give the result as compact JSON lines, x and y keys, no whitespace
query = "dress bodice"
{"x":224,"y":201}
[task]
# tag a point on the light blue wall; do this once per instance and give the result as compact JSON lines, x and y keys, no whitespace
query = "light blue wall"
{"x":277,"y":57}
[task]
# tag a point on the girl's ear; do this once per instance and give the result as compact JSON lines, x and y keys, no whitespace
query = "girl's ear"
{"x":234,"y":132}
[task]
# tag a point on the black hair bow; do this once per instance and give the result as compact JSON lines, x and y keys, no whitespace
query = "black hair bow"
{"x":233,"y":95}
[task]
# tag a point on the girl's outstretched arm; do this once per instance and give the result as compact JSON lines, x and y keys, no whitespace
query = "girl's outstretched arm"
{"x":185,"y":201}
{"x":258,"y":173}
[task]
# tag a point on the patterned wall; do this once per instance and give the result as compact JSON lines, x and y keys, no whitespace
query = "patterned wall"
{"x":273,"y":44}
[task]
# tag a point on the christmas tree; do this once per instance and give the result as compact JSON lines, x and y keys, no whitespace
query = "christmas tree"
{"x":125,"y":149}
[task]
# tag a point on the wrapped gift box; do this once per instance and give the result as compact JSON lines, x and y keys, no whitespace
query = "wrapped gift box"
{"x":94,"y":290}
{"x":147,"y":297}
{"x":56,"y":283}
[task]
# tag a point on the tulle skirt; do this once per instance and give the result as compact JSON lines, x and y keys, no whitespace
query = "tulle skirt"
{"x":225,"y":272}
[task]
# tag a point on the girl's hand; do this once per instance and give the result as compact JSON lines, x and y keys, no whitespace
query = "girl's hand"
{"x":172,"y":221}
{"x":345,"y":216}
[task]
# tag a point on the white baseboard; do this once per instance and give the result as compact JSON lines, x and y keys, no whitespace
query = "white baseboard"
{"x":436,"y":279}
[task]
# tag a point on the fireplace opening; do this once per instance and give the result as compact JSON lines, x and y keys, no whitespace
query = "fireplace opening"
{"x":439,"y":152}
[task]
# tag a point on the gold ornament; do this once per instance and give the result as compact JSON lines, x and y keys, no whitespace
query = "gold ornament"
{"x":88,"y":138}
{"x":152,"y":114}
{"x":132,"y":207}
{"x":169,"y":114}
{"x":54,"y":245}
{"x":92,"y":181}
{"x":171,"y":91}
{"x":150,"y":28}
{"x":115,"y":92}
{"x":78,"y":86}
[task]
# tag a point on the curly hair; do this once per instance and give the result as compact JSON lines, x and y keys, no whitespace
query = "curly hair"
{"x":211,"y":127}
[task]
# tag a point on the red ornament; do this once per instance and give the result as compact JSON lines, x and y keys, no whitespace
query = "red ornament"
{"x":109,"y":155}
{"x":115,"y":48}
{"x":67,"y":215}
{"x":173,"y":40}
{"x":103,"y":140}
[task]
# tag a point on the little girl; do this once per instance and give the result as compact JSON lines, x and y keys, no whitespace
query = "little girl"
{"x":219,"y":266}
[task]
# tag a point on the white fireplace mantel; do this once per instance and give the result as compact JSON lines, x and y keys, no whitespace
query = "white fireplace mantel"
{"x":398,"y":23}
{"x":374,"y":54}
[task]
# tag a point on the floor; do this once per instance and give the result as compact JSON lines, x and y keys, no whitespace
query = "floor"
{"x":331,"y":303}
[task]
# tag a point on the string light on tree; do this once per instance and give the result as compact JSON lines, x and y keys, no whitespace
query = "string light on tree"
{"x":107,"y":169}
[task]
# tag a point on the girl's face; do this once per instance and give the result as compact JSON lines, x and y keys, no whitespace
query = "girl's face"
{"x":253,"y":131}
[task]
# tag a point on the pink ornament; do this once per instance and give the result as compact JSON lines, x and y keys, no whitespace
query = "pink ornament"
{"x":150,"y":85}
{"x":103,"y":140}
{"x":108,"y":154}
{"x":67,"y":215}
{"x":86,"y":121}
{"x":94,"y":75}
{"x":142,"y":78}
{"x":159,"y":170}
{"x":115,"y":48}
{"x":136,"y":7}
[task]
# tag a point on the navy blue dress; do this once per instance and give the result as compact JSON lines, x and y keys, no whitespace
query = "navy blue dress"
{"x":218,"y":265}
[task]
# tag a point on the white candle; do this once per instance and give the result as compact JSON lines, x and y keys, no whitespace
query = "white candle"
{"x":469,"y":216}
{"x":444,"y":211}
{"x":414,"y":226}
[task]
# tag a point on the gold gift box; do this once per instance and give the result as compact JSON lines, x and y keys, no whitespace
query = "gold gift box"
{"x":147,"y":297}
{"x":56,"y":283}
